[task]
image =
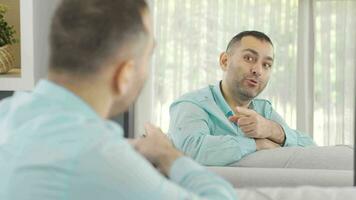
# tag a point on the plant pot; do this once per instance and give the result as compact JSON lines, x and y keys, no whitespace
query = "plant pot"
{"x":7,"y":59}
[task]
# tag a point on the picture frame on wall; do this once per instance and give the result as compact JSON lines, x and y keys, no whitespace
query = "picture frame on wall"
{"x":19,"y":76}
{"x":10,"y":55}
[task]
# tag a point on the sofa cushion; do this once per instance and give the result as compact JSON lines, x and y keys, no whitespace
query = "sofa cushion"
{"x":283,"y":177}
{"x":305,"y":192}
{"x":328,"y":157}
{"x":292,"y":166}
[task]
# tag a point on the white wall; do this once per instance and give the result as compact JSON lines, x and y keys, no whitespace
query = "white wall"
{"x":43,"y":12}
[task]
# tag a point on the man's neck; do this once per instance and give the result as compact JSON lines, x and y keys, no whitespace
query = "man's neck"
{"x":91,"y":93}
{"x":232,"y":100}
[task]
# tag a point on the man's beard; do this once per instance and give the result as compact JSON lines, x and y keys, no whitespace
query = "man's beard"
{"x":244,"y":92}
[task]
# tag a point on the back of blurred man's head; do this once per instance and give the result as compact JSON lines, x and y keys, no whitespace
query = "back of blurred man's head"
{"x":85,"y":34}
{"x":105,"y":44}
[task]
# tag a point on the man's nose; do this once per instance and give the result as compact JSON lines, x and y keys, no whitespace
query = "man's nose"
{"x":257,"y":69}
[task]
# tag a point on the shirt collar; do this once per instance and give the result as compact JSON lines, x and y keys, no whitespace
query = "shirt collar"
{"x":64,"y":97}
{"x":220,"y":100}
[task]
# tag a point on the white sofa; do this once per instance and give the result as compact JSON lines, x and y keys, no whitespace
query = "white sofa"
{"x":294,"y":166}
{"x":298,"y":193}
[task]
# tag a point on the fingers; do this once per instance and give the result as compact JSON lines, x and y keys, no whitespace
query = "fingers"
{"x":249,"y":129}
{"x":248,"y":126}
{"x":150,"y":128}
{"x":236,"y":117}
{"x":244,"y":111}
{"x":233,"y":119}
{"x":241,"y":113}
{"x":245,"y":121}
{"x":134,"y":142}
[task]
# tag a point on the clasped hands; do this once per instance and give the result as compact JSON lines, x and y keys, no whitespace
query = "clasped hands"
{"x":267,"y":134}
{"x":156,"y":148}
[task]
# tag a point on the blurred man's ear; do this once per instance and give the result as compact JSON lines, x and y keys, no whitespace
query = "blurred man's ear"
{"x":223,"y":61}
{"x":123,"y":77}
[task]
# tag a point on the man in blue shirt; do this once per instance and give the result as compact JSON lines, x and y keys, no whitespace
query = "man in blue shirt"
{"x":222,"y":123}
{"x":57,"y":142}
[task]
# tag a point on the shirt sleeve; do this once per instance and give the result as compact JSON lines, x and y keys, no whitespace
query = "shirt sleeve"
{"x":191,"y":133}
{"x":293,"y":137}
{"x":117,"y":171}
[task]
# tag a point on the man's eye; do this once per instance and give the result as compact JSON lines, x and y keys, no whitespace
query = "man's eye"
{"x":249,"y":58}
{"x":267,"y":65}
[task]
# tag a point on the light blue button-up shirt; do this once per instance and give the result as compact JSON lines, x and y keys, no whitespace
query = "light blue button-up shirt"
{"x":53,"y":146}
{"x":199,"y":126}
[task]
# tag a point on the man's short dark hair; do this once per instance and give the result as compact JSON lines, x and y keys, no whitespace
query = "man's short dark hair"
{"x":237,"y":38}
{"x":86,"y":33}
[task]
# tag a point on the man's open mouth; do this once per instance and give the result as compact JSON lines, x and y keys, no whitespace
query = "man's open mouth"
{"x":252,"y":82}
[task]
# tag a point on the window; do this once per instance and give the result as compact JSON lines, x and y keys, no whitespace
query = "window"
{"x":334,"y":67}
{"x":192,"y":34}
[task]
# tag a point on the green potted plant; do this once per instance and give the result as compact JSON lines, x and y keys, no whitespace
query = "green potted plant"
{"x":7,"y":38}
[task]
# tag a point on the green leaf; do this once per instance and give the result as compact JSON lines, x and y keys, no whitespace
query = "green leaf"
{"x":7,"y":31}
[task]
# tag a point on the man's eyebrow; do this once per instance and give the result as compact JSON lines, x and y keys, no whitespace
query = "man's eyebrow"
{"x":256,"y":53}
{"x":252,"y":51}
{"x":269,"y":58}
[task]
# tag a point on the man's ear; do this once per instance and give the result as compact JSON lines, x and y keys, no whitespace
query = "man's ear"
{"x":223,"y":61}
{"x":123,"y":77}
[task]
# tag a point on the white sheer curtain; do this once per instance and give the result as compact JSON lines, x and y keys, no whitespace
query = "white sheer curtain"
{"x":191,"y":34}
{"x":334,"y":71}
